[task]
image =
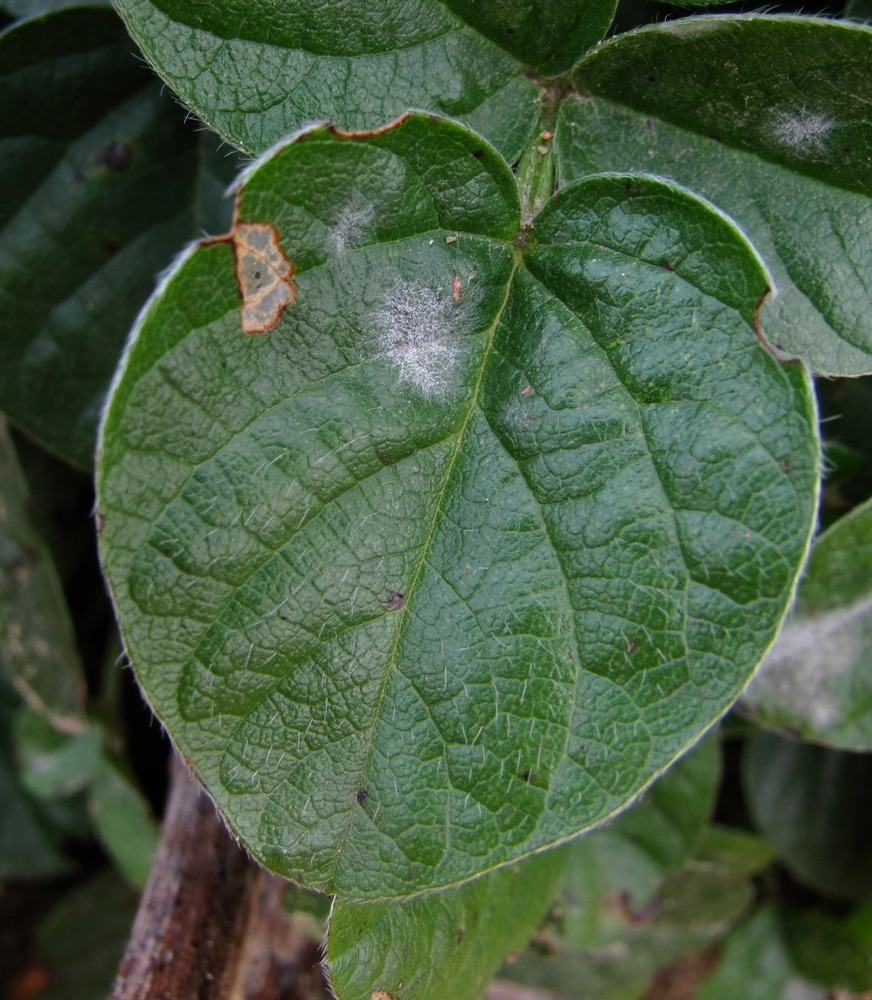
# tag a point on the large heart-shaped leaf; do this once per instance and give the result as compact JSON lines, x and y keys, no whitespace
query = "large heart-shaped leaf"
{"x":360,"y":63}
{"x":102,"y":183}
{"x":485,"y":528}
{"x":765,"y":116}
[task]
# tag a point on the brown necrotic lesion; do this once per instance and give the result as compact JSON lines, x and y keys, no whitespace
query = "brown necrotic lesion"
{"x":263,"y":273}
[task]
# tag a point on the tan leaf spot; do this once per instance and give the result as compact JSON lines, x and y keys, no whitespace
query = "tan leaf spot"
{"x":264,"y":275}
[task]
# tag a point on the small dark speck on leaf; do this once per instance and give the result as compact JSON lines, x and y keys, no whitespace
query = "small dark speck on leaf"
{"x":478,"y":153}
{"x":631,"y":646}
{"x":649,"y":124}
{"x":651,"y":79}
{"x":362,"y":795}
{"x":786,"y":465}
{"x":510,"y":31}
{"x":395,"y":599}
{"x":116,"y":157}
{"x":526,"y":777}
{"x":714,"y":138}
{"x":666,"y":265}
{"x":459,"y":935}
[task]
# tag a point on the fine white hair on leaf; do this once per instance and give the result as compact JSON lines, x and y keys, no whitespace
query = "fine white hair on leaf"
{"x":803,"y":131}
{"x":352,"y":227}
{"x":417,"y":333}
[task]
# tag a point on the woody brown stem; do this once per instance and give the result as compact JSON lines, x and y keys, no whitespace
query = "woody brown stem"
{"x":191,"y":927}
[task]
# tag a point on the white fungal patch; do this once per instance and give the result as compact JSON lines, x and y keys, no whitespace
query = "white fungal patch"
{"x":808,"y":672}
{"x":352,"y":228}
{"x":803,"y":131}
{"x":418,"y":335}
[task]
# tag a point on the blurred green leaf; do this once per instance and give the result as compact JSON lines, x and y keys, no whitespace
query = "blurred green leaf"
{"x":828,"y":950}
{"x":813,"y":805}
{"x":755,"y":965}
{"x":53,"y":764}
{"x":37,"y":644}
{"x":735,"y":851}
{"x":102,"y":182}
{"x":123,"y":821}
{"x":816,"y":681}
{"x":82,"y":939}
{"x":29,"y":839}
{"x":764,"y":116}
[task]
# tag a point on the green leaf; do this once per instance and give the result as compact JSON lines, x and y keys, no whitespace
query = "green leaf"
{"x":756,"y":965}
{"x":829,"y":950}
{"x":690,"y":909}
{"x":447,"y":943}
{"x":259,"y":71}
{"x":28,"y":837}
{"x":809,"y":802}
{"x":83,"y":937}
{"x":432,"y":574}
{"x":815,"y":681}
{"x":736,"y":851}
{"x":37,"y":643}
{"x":765,"y":117}
{"x":123,"y":821}
{"x":55,"y":765}
{"x":102,"y":184}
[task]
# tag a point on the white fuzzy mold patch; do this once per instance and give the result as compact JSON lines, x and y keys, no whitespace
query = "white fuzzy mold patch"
{"x":802,"y":131}
{"x":809,"y":669}
{"x":352,"y":228}
{"x":418,"y":334}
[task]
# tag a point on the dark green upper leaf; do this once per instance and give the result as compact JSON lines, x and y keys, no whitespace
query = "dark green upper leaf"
{"x":101,"y":187}
{"x":258,"y":70}
{"x":815,"y":681}
{"x":457,"y":556}
{"x":765,"y":116}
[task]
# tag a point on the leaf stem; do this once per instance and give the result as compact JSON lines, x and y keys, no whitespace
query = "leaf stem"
{"x":535,"y":170}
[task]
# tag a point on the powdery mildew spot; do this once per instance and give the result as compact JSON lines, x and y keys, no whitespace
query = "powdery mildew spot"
{"x":351,"y":228}
{"x":811,"y":663}
{"x":417,"y":334}
{"x":802,"y":131}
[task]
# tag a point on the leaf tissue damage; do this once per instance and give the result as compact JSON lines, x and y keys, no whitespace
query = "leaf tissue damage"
{"x":263,"y":273}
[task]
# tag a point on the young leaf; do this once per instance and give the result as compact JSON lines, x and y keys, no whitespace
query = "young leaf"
{"x":102,"y":184}
{"x":808,"y":802}
{"x":122,"y":821}
{"x":361,"y":63}
{"x":37,"y":644}
{"x":765,"y":117}
{"x":457,"y":557}
{"x":441,"y":944}
{"x":815,"y":681}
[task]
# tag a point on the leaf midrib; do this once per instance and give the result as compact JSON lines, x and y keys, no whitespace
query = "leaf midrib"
{"x":428,"y":534}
